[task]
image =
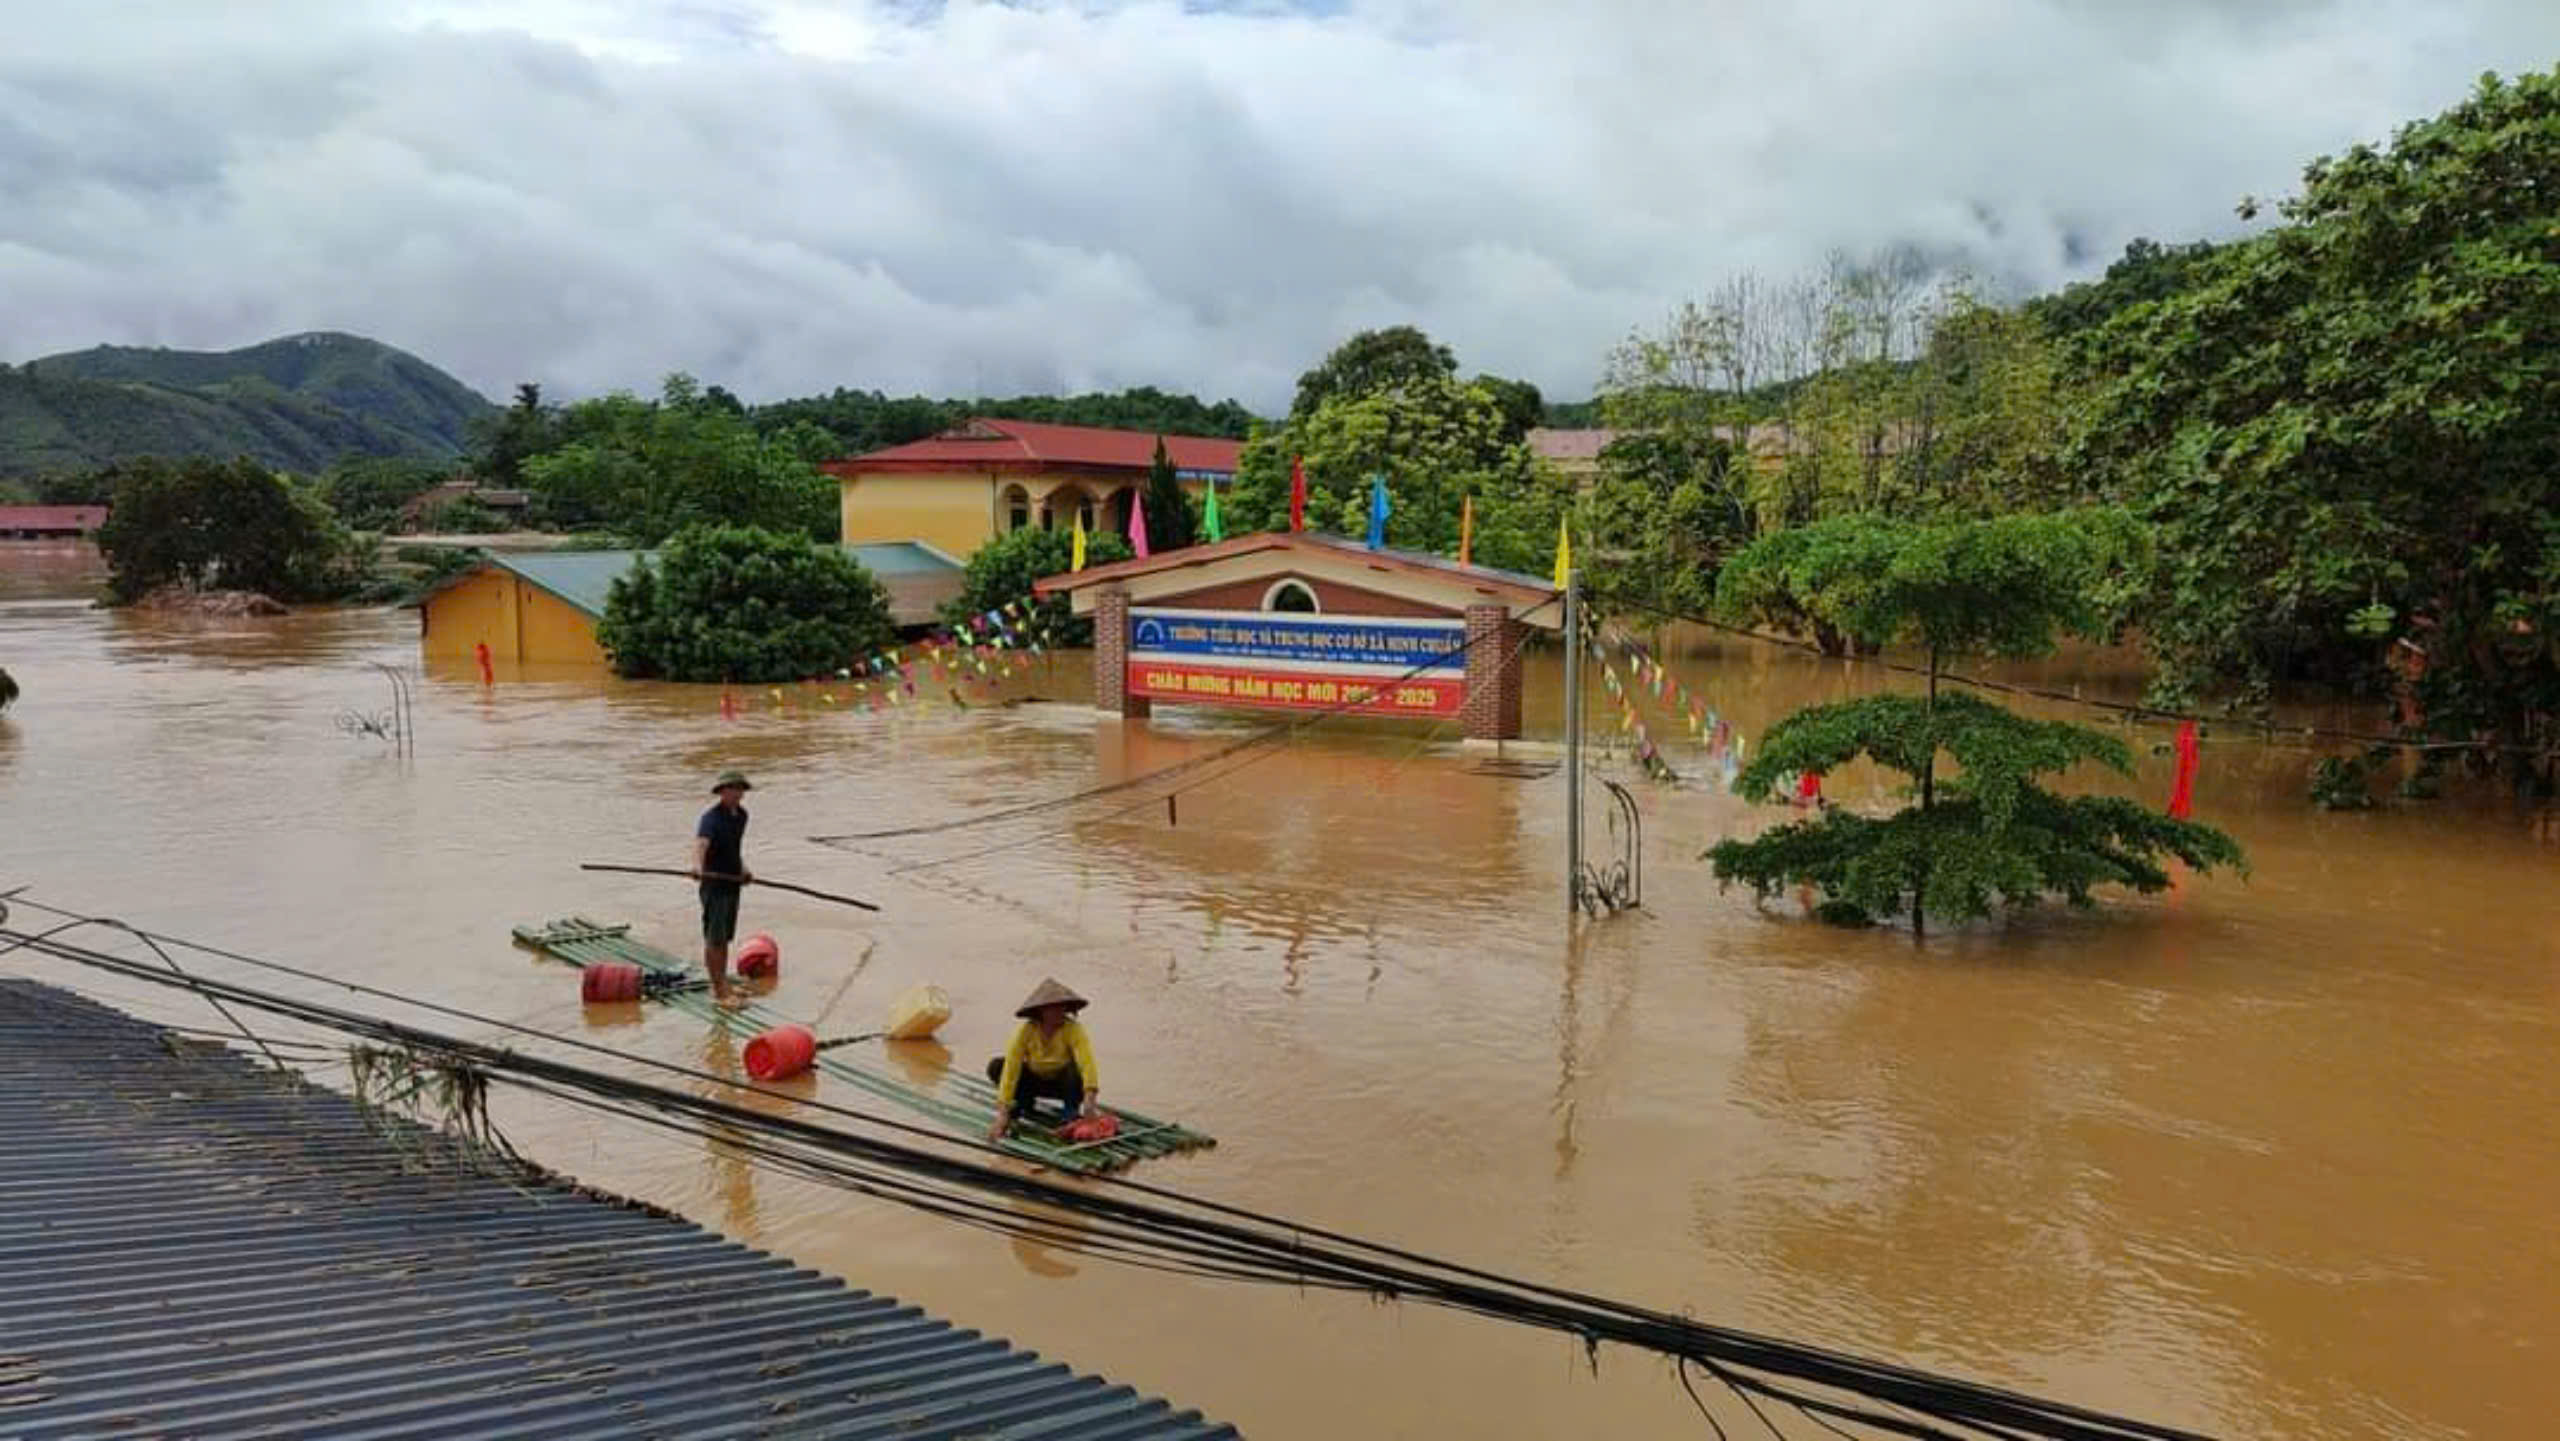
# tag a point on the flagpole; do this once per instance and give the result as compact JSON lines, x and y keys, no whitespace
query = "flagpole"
{"x":1573,"y":742}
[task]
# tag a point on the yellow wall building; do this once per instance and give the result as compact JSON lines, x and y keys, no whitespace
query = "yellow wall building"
{"x":960,"y":489}
{"x":531,"y":608}
{"x":541,"y":608}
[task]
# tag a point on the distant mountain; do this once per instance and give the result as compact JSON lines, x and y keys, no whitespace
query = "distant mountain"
{"x":297,"y":403}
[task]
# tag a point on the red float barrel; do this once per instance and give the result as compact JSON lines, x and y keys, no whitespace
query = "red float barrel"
{"x":759,"y":957}
{"x":610,"y":981}
{"x":781,"y":1053}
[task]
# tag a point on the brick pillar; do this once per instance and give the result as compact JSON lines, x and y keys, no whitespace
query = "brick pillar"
{"x":1491,"y":711}
{"x":1111,"y":655}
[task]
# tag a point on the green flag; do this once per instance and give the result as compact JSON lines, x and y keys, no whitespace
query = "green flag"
{"x":1209,"y":514}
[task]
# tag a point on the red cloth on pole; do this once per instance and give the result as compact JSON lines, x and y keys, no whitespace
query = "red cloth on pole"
{"x":2182,"y":790}
{"x":480,"y":649}
{"x":1297,"y":492}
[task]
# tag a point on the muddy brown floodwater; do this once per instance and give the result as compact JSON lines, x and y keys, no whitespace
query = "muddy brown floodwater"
{"x":2270,"y":1158}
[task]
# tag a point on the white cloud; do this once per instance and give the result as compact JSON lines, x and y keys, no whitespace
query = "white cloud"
{"x":789,"y":196}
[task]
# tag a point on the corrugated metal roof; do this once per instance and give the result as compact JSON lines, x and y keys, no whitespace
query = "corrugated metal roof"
{"x":191,"y":1245}
{"x":903,"y":557}
{"x":919,"y":578}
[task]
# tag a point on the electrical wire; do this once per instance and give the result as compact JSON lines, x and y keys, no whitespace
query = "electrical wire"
{"x":2130,"y":711}
{"x":1170,"y":1231}
{"x":1280,"y":730}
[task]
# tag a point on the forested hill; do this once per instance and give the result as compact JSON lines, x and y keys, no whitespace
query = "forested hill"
{"x":297,"y":403}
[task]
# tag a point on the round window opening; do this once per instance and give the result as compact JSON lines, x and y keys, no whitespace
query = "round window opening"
{"x":1291,"y":596}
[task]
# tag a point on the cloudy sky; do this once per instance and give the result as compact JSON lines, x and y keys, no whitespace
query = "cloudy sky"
{"x":785,"y":195}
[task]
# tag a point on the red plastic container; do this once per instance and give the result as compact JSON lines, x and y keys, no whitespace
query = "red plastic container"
{"x":781,"y":1053}
{"x":609,"y":981}
{"x":758,"y":957}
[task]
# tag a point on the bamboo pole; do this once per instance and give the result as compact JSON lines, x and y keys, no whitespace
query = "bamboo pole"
{"x":742,"y":880}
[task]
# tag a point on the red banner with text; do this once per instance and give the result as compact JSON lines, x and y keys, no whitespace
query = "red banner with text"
{"x":1424,"y":697}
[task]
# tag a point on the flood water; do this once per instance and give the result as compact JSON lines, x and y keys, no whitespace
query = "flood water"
{"x":2272,"y":1157}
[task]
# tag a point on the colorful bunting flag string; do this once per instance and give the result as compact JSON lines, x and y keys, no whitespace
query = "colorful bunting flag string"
{"x":1725,"y":745}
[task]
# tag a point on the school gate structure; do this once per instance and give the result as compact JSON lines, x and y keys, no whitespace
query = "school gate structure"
{"x":1303,"y":622}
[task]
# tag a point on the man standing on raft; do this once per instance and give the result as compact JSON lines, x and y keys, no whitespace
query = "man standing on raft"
{"x":720,"y":867}
{"x":1050,"y":1056}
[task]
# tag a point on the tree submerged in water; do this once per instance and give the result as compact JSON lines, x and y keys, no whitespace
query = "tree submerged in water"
{"x":8,"y":688}
{"x":1988,"y":835}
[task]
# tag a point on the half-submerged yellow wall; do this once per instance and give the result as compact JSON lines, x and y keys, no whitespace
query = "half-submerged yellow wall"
{"x":515,"y":618}
{"x":954,"y":514}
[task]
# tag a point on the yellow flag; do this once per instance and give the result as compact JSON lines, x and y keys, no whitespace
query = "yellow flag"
{"x":1078,"y":562}
{"x":1564,"y":552}
{"x":1467,"y":531}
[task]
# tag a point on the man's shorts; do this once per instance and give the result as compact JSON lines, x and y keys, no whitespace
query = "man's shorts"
{"x":719,"y":913}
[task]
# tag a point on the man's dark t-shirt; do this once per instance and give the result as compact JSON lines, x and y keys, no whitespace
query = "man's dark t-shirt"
{"x":727,"y":831}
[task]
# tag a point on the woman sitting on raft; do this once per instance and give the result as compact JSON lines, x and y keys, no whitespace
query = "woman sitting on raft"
{"x":1050,"y":1056}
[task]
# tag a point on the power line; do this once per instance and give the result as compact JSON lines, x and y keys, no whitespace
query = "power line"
{"x":1168,"y":1230}
{"x":2131,"y":711}
{"x":1280,"y":730}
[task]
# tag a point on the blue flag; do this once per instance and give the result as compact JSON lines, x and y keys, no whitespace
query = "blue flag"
{"x":1377,"y":511}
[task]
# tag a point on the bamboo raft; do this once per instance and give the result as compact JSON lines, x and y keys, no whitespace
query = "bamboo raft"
{"x":960,"y":1101}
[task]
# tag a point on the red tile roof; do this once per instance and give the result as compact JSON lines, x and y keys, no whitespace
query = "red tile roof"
{"x":82,"y":518}
{"x":1441,"y":569}
{"x":982,"y":445}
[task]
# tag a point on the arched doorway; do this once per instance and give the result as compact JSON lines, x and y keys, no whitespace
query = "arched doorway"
{"x":1291,"y":597}
{"x":1116,"y":510}
{"x":1062,"y":507}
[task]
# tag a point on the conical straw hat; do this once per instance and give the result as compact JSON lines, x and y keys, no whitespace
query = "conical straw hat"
{"x":1050,"y":993}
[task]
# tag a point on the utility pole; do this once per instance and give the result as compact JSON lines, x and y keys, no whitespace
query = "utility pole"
{"x":1573,"y":740}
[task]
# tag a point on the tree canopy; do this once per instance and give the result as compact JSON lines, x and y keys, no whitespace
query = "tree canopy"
{"x":235,"y":526}
{"x":647,"y":469}
{"x":1374,"y":361}
{"x":2343,"y":430}
{"x":732,"y":603}
{"x":1990,"y":835}
{"x":1437,"y":441}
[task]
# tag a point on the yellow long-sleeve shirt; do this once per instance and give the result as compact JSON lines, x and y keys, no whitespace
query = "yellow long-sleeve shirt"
{"x":1047,"y":1056}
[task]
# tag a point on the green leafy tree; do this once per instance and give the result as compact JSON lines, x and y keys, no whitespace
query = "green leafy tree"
{"x":1437,"y":441}
{"x":731,"y":603}
{"x":1523,"y":408}
{"x":649,"y":469}
{"x":1172,"y":524}
{"x":8,"y":689}
{"x":1002,"y":571}
{"x":2147,"y":272}
{"x":236,"y":526}
{"x":513,"y":436}
{"x":2343,"y":430}
{"x":371,"y":492}
{"x":1989,"y":834}
{"x":1374,"y":361}
{"x":1665,"y":509}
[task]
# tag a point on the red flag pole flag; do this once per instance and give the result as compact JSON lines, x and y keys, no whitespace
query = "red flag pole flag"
{"x":1297,"y":492}
{"x":2182,"y":788}
{"x":1138,"y":524}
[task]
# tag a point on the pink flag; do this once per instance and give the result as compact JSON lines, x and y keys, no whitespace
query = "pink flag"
{"x":1138,"y":525}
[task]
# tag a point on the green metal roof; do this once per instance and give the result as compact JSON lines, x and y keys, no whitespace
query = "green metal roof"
{"x":903,"y":557}
{"x":583,"y":578}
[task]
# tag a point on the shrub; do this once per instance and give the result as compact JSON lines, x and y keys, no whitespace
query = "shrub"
{"x":1003,"y":569}
{"x":726,"y":603}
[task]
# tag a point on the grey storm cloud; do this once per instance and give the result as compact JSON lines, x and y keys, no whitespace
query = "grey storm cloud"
{"x":980,"y":197}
